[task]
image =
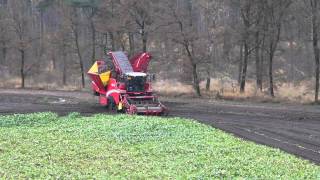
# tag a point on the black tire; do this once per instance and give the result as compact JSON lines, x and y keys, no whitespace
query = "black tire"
{"x":122,"y":111}
{"x":112,"y":107}
{"x":95,"y":93}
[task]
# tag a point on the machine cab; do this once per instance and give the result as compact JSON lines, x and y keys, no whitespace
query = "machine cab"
{"x":135,"y":82}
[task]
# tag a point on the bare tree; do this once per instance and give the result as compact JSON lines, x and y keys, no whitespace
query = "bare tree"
{"x":4,"y":34}
{"x":91,"y":11}
{"x":21,"y":27}
{"x":185,"y":34}
{"x":75,"y":26}
{"x":140,"y":12}
{"x":275,"y":12}
{"x":247,"y":16}
{"x":213,"y":35}
{"x":259,"y":37}
{"x":315,"y":41}
{"x":110,"y":21}
{"x":64,"y":44}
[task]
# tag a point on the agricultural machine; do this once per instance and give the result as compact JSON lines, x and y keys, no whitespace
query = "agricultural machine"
{"x":125,"y":86}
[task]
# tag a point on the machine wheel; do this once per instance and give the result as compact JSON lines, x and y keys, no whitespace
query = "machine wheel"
{"x":112,"y":107}
{"x":131,"y":110}
{"x":95,"y":93}
{"x":165,"y":113}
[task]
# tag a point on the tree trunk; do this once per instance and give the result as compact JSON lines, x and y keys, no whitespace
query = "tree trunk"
{"x":196,"y":81}
{"x":261,"y":64}
{"x":261,"y":72}
{"x":131,"y":43}
{"x":22,"y":74}
{"x":317,"y":78}
{"x":41,"y":32}
{"x":64,"y":73}
{"x":80,"y":58}
{"x":4,"y":55}
{"x":245,"y":13}
{"x":244,"y":68}
{"x":144,"y":38}
{"x":144,"y":42}
{"x":208,"y":82}
{"x":105,"y":44}
{"x":314,"y":5}
{"x":93,"y":40}
{"x":258,"y":61}
{"x":113,"y":44}
{"x":292,"y":62}
{"x":271,"y":88}
{"x":240,"y":63}
{"x":272,"y":50}
{"x":120,"y":41}
{"x":54,"y":62}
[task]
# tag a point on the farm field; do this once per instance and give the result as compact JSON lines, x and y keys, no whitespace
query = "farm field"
{"x":44,"y":145}
{"x":140,"y":89}
{"x":291,"y":128}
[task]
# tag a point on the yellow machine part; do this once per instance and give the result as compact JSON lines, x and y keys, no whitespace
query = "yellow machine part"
{"x":105,"y":77}
{"x":94,"y":69}
{"x":120,"y":106}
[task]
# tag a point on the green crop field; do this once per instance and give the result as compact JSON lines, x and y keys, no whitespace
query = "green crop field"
{"x":43,"y":145}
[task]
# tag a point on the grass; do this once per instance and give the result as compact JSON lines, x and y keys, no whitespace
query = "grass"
{"x":45,"y":146}
{"x":301,"y":92}
{"x":228,"y":89}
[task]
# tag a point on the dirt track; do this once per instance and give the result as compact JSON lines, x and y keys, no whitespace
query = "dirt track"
{"x":292,"y":128}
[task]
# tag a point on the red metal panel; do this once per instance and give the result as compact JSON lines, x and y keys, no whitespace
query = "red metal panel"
{"x":103,"y":100}
{"x":113,"y":91}
{"x":97,"y":83}
{"x":140,"y":62}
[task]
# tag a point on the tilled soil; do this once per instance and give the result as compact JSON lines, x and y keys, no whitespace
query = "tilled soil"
{"x":292,"y":128}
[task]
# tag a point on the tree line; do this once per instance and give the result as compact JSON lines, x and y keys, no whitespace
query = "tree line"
{"x":270,"y":41}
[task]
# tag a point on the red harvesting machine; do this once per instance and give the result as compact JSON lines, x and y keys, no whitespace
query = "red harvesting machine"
{"x":126,"y":87}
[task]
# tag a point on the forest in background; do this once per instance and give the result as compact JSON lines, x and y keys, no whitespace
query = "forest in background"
{"x":270,"y":46}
